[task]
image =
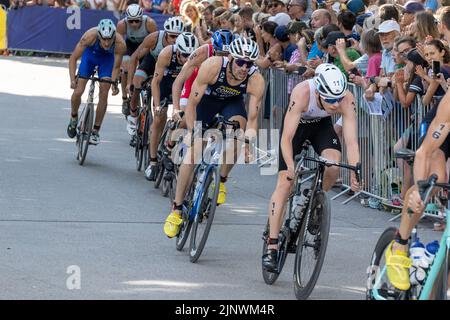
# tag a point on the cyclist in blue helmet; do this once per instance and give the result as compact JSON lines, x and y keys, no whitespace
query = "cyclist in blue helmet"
{"x":100,"y":47}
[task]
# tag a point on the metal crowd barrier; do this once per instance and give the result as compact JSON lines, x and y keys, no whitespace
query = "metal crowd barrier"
{"x":378,"y":134}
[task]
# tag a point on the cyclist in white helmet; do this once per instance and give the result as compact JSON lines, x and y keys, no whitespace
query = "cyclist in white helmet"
{"x":133,"y":28}
{"x":100,"y":47}
{"x":169,"y":64}
{"x":308,"y":117}
{"x":219,"y":88}
{"x":147,"y":54}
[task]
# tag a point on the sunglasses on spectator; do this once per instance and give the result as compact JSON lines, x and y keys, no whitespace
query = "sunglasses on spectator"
{"x":332,"y":101}
{"x":134,"y":21}
{"x":242,"y":62}
{"x":273,"y":5}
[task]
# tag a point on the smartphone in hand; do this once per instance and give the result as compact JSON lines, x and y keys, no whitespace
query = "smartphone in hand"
{"x":355,"y":71}
{"x":436,"y":68}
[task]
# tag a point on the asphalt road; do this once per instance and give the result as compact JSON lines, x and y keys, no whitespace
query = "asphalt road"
{"x":104,"y":220}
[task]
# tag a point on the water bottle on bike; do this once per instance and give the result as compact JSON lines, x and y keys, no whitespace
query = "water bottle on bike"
{"x":422,"y":258}
{"x":298,"y":203}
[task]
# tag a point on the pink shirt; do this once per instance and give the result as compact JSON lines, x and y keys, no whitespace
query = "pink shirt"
{"x":374,"y":66}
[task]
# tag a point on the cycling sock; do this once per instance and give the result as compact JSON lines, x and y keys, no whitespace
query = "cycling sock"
{"x":398,"y":238}
{"x":223,"y":179}
{"x":124,"y":98}
{"x":153,"y":161}
{"x":96,"y":128}
{"x":272,"y":241}
{"x":74,"y":116}
{"x":177,"y":207}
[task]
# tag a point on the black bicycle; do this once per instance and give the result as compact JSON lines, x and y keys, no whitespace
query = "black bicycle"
{"x":307,"y":225}
{"x":141,"y":138}
{"x":171,"y":158}
{"x":86,"y":123}
{"x":161,"y":151}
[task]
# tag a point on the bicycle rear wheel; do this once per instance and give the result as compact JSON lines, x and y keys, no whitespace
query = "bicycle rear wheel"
{"x":205,"y":216}
{"x":138,"y":149}
{"x":85,"y":133}
{"x":146,"y":140}
{"x":311,"y":246}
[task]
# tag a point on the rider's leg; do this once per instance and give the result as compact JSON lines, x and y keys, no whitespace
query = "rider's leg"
{"x":232,"y":152}
{"x":325,"y":142}
{"x":232,"y":111}
{"x":123,"y":77}
{"x":193,"y":156}
{"x":102,"y":104}
{"x":157,"y":127}
{"x":331,"y":173}
{"x":174,"y":220}
{"x":408,"y":221}
{"x":76,"y":97}
{"x":277,"y":205}
{"x":139,"y":77}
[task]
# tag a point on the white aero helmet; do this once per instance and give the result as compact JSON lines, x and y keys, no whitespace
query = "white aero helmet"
{"x":174,"y":25}
{"x":330,"y":82}
{"x":187,"y":42}
{"x":244,"y":48}
{"x":106,"y":29}
{"x":134,"y":11}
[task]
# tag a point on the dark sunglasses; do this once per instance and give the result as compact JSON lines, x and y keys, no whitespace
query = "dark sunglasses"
{"x":242,"y":62}
{"x":173,"y":36}
{"x":106,"y":39}
{"x":134,"y":21}
{"x":185,"y":55}
{"x":272,"y":5}
{"x":333,"y":101}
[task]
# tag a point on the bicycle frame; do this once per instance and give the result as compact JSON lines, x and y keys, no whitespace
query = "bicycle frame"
{"x":215,"y":152}
{"x":439,"y":260}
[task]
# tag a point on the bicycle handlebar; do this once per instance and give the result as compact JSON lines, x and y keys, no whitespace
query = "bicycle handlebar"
{"x":219,"y":122}
{"x":328,"y":163}
{"x":426,"y":186}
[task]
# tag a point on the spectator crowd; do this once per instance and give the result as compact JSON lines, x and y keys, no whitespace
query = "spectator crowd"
{"x":380,"y":45}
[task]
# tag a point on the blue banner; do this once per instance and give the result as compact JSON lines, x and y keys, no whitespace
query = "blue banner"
{"x":55,"y":29}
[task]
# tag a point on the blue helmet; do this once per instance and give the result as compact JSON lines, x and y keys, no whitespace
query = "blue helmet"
{"x":221,"y":40}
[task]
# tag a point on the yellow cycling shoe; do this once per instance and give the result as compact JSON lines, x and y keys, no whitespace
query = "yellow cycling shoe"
{"x":222,"y":194}
{"x":173,"y":224}
{"x":397,"y":268}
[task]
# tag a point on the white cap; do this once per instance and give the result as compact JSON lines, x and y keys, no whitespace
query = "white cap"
{"x":281,"y":19}
{"x":388,"y":26}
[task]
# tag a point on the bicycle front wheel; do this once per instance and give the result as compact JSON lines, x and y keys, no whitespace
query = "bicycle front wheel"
{"x":85,"y":133}
{"x":205,"y":215}
{"x":187,"y":221}
{"x":311,"y":246}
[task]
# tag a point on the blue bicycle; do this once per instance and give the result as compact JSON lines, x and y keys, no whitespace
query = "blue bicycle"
{"x":201,"y":199}
{"x":436,"y":282}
